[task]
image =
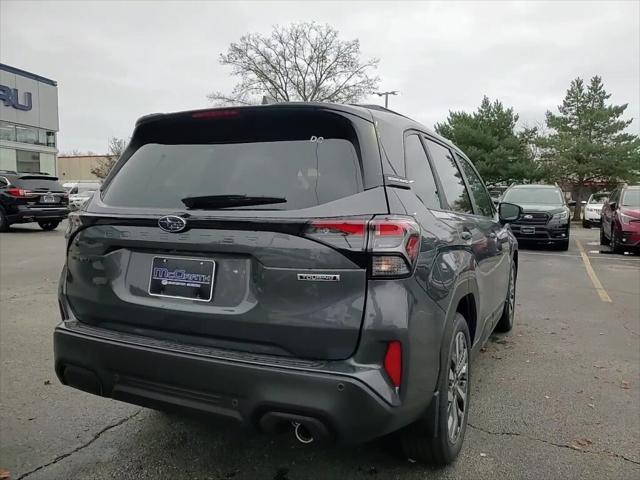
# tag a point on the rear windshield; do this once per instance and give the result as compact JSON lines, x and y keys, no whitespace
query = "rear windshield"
{"x":541,"y":196}
{"x":38,"y":184}
{"x":631,"y":198}
{"x":308,"y":161}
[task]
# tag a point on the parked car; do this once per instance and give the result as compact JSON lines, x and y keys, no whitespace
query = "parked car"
{"x":546,"y":216}
{"x":620,"y":225}
{"x":267,"y":264}
{"x":31,"y":197}
{"x":80,"y":192}
{"x":593,"y":209}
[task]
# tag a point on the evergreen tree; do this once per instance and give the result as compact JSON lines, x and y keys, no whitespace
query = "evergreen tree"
{"x":489,"y":138}
{"x":588,"y":141}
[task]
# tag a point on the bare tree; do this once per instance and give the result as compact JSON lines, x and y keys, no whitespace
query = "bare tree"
{"x":105,"y":164}
{"x":299,"y":62}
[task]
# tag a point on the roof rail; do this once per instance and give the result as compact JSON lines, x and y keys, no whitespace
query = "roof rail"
{"x":379,"y":108}
{"x":8,"y":171}
{"x":34,"y":173}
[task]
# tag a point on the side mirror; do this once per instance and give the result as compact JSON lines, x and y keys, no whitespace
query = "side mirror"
{"x":571,"y":203}
{"x":509,"y":212}
{"x":613,"y":205}
{"x":496,"y":201}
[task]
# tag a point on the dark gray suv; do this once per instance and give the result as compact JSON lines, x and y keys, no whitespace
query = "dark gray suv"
{"x":322,"y":268}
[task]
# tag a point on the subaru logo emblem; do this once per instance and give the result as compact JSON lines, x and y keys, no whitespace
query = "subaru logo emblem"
{"x":172,"y":223}
{"x":528,"y":217}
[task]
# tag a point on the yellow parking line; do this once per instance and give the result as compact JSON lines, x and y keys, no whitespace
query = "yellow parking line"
{"x":604,"y":296}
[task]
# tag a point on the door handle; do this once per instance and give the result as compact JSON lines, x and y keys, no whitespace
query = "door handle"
{"x":466,"y":236}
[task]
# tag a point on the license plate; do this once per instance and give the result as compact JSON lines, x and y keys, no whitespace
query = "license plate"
{"x":178,"y":277}
{"x":48,"y":199}
{"x":528,"y":230}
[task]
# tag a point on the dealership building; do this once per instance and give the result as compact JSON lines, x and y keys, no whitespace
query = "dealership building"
{"x":28,"y":121}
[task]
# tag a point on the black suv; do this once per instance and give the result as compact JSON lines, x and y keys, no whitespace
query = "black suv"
{"x":32,"y":197}
{"x":546,"y":216}
{"x":324,"y":268}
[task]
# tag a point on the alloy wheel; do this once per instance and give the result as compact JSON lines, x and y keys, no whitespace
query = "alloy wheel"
{"x":458,"y":390}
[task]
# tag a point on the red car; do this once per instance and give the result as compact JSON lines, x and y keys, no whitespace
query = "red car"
{"x":620,"y":225}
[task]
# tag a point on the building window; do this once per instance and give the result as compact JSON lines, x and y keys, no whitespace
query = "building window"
{"x":27,"y":161}
{"x":26,"y":134}
{"x":7,"y":132}
{"x":51,"y":139}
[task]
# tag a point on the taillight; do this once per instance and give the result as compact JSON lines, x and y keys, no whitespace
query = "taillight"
{"x":349,"y":234}
{"x":393,"y":362}
{"x":392,"y":241}
{"x":17,"y":192}
{"x":395,"y":245}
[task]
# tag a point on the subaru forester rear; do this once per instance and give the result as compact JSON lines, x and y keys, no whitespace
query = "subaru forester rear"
{"x":246,"y":262}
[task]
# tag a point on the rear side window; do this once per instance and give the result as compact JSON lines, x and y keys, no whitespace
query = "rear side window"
{"x":480,"y":195}
{"x":419,"y":171}
{"x":307,"y":160}
{"x":453,"y":184}
{"x":35,"y":184}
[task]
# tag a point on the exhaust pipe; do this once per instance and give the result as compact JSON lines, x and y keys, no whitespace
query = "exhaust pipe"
{"x":302,"y":433}
{"x":306,"y":429}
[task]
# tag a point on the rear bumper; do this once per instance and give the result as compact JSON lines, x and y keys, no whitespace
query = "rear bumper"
{"x":24,"y":214}
{"x":245,"y":391}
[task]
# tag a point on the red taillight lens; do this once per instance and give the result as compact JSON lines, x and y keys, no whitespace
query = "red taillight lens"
{"x":349,"y":234}
{"x":17,"y":192}
{"x":215,"y":114}
{"x":393,"y":241}
{"x":393,"y":362}
{"x":395,"y":244}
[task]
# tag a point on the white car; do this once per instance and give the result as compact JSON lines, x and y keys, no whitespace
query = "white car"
{"x":80,"y":192}
{"x":593,"y":208}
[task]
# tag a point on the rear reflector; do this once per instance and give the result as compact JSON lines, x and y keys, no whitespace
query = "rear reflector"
{"x":393,"y":362}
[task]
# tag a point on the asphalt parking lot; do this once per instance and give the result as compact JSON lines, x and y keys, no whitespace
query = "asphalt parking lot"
{"x":558,"y":397}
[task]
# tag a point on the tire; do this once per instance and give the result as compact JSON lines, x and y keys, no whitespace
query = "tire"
{"x":603,"y":238}
{"x":563,"y":245}
{"x":505,"y":324}
{"x":428,"y":440}
{"x":4,"y":221}
{"x":586,"y":224}
{"x":615,"y":245}
{"x":50,"y":225}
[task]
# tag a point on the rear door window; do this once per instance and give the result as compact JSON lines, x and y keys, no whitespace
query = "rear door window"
{"x":479,"y":192}
{"x":419,"y":172}
{"x":309,"y":160}
{"x":451,"y":179}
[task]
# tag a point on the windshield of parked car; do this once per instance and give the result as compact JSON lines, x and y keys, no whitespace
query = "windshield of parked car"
{"x":542,"y":196}
{"x":598,"y":198}
{"x":38,"y":183}
{"x":631,"y":198}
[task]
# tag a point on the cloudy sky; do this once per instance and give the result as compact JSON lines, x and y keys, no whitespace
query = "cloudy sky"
{"x":115,"y":61}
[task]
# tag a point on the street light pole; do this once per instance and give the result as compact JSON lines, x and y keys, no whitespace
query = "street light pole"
{"x":386,"y":96}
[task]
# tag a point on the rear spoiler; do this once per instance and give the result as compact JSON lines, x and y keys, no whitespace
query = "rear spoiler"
{"x":39,"y":176}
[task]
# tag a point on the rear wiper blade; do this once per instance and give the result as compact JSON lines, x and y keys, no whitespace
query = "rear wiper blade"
{"x":226,"y":201}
